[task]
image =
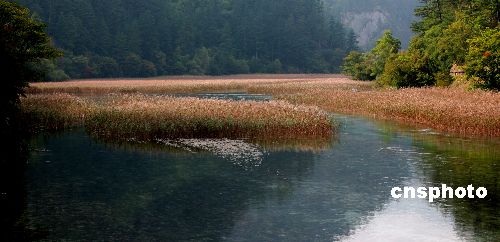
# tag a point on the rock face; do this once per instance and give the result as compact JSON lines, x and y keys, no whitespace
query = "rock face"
{"x":370,"y":18}
{"x":366,"y":25}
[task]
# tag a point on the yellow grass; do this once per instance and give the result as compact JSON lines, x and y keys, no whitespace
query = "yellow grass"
{"x":149,"y":117}
{"x":123,"y":116}
{"x":180,"y":85}
{"x":452,"y":110}
{"x":54,"y":112}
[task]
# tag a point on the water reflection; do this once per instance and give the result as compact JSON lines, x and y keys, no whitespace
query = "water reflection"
{"x":88,"y":190}
{"x":406,"y":220}
{"x":80,"y":189}
{"x":458,"y":162}
{"x":14,"y":154}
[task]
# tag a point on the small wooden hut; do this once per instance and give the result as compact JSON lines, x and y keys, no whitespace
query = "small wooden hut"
{"x":456,"y":70}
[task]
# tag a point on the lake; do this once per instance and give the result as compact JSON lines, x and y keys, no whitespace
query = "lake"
{"x":79,"y":188}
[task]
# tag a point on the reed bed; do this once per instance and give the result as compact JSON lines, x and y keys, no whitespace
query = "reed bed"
{"x":54,"y":111}
{"x":454,"y":110}
{"x":140,"y":117}
{"x":150,"y":117}
{"x":179,"y":85}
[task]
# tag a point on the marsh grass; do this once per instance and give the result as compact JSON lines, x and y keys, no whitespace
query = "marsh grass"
{"x":140,"y":117}
{"x":52,"y":112}
{"x":150,"y":117}
{"x":453,"y":110}
{"x":195,"y":85}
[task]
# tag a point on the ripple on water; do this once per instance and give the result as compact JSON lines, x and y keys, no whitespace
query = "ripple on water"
{"x":237,"y":151}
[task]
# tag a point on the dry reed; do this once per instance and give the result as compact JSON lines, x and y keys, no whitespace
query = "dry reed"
{"x":178,"y":85}
{"x":122,"y":117}
{"x":451,"y":110}
{"x":150,"y":117}
{"x":53,"y":111}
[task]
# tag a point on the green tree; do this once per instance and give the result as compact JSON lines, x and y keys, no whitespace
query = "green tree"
{"x":105,"y":66}
{"x":386,"y":47}
{"x":449,"y":32}
{"x":51,"y":71}
{"x":23,"y":42}
{"x":483,"y":58}
{"x":274,"y":66}
{"x":172,"y":34}
{"x":200,"y":63}
{"x":76,"y":66}
{"x":371,"y":65}
{"x":356,"y":65}
{"x":133,"y":65}
{"x":407,"y":69}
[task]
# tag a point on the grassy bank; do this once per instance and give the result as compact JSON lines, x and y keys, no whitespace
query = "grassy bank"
{"x":454,"y":110}
{"x":122,"y":117}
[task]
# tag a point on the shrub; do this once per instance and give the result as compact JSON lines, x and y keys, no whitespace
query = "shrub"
{"x":483,"y":59}
{"x":371,"y":65}
{"x":356,"y":65}
{"x":408,"y":69}
{"x":443,"y":79}
{"x":386,"y":47}
{"x":57,"y":75}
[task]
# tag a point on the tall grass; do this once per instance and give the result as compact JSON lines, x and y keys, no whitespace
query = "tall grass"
{"x":453,"y":110}
{"x":179,"y":85}
{"x":122,"y":117}
{"x":54,"y":111}
{"x":149,"y":117}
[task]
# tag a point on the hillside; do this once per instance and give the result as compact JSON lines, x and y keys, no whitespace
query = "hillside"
{"x":202,"y":37}
{"x":369,"y":18}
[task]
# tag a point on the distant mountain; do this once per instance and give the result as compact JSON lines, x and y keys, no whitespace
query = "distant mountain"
{"x":369,"y":18}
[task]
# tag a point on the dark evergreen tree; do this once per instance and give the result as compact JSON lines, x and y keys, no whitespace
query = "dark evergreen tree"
{"x":164,"y":37}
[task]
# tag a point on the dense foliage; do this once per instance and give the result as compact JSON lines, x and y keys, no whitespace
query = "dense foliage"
{"x":370,"y":65}
{"x":483,"y":58}
{"x":462,"y":33}
{"x":23,"y":43}
{"x":165,"y":37}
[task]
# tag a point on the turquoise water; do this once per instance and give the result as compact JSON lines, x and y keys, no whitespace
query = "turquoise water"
{"x":82,"y":189}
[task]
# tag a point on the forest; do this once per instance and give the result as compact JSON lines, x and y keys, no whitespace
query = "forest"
{"x":463,"y":35}
{"x":124,"y":38}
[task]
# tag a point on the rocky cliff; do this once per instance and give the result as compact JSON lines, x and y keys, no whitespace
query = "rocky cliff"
{"x":369,"y":18}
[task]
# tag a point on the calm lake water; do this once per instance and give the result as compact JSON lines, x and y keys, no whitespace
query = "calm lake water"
{"x":81,"y":189}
